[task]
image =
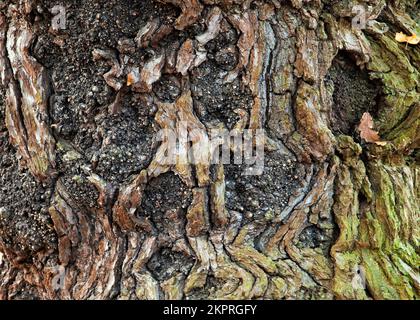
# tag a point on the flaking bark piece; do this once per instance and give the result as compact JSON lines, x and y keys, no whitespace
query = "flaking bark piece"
{"x":146,"y":33}
{"x":213,"y":26}
{"x":413,"y":39}
{"x":245,"y":24}
{"x":27,"y":103}
{"x":186,"y":56}
{"x":197,"y":216}
{"x":191,"y":11}
{"x":366,"y":130}
{"x":150,"y":73}
{"x":111,"y":77}
{"x":129,"y":199}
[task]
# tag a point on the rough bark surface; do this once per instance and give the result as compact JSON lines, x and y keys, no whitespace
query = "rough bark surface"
{"x":88,"y":211}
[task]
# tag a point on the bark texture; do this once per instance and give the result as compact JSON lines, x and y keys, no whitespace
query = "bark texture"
{"x":87,"y":210}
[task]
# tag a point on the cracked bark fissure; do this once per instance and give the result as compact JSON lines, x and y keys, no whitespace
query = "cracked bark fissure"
{"x":332,"y":217}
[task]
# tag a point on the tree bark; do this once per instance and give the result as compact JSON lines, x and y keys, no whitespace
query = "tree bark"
{"x":87,"y":210}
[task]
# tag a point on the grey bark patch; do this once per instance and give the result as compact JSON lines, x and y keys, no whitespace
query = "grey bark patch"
{"x":162,"y":194}
{"x":264,"y":196}
{"x":166,"y":264}
{"x":314,"y":237}
{"x":218,"y":101}
{"x":25,"y":224}
{"x":126,"y":143}
{"x":167,"y":89}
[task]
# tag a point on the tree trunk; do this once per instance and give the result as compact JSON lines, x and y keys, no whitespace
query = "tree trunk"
{"x":89,"y":211}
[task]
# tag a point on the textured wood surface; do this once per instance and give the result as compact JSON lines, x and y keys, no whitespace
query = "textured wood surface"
{"x":88,"y":210}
